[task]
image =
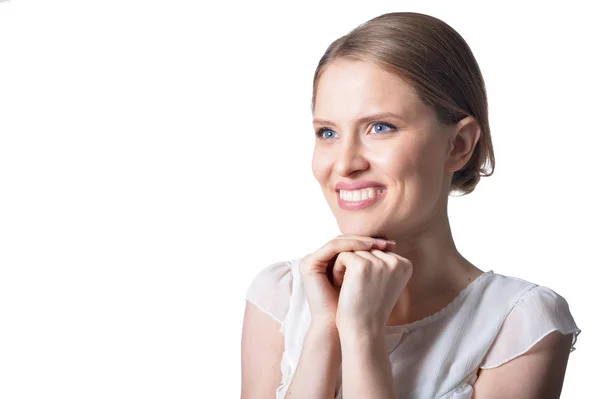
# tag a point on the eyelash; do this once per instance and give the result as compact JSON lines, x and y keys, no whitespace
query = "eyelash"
{"x":323,"y":129}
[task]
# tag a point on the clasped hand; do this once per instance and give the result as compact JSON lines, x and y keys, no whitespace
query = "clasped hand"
{"x":364,"y":285}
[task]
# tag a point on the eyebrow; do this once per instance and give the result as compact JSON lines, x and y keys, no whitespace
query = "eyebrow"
{"x":363,"y":119}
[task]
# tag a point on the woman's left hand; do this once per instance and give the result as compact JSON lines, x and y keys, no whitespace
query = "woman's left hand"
{"x":371,"y":283}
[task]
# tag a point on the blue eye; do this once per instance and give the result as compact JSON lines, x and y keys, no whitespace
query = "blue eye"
{"x":384,"y":125}
{"x":322,"y":130}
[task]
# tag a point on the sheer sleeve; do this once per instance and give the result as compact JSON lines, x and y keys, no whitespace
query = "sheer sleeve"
{"x":536,"y":314}
{"x":271,"y":290}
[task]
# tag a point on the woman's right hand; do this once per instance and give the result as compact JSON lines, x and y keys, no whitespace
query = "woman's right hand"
{"x":317,"y":274}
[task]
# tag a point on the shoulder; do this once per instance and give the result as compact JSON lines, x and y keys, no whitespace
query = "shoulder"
{"x":534,"y":312}
{"x":508,"y":285}
{"x":271,"y":288}
{"x":273,"y":273}
{"x":537,"y":373}
{"x":515,"y":294}
{"x":532,"y":345}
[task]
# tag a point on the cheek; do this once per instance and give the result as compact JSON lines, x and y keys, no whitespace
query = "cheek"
{"x":318,"y":167}
{"x":430,"y":165}
{"x":417,"y":164}
{"x":403,"y":161}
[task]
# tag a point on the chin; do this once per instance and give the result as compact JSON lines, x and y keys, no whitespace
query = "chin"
{"x":359,"y":228}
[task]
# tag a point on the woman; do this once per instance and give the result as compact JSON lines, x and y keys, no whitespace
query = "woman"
{"x":391,"y":309}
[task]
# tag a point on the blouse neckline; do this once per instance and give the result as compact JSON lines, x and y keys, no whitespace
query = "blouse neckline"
{"x":403,"y":328}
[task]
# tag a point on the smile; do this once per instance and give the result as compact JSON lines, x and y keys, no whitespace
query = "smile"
{"x":359,"y":199}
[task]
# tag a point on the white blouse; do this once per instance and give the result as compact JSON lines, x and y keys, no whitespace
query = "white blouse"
{"x":493,"y":320}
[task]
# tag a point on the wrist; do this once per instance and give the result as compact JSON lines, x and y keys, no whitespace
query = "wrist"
{"x":325,"y":336}
{"x":362,"y":340}
{"x":361,"y":333}
{"x":364,"y":346}
{"x":324,"y":326}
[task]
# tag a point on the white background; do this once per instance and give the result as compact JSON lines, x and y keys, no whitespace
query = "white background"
{"x":155,"y":156}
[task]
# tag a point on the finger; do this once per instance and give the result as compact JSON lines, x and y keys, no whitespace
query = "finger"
{"x":388,"y":257}
{"x":393,"y":259}
{"x":322,"y":260}
{"x":343,"y":260}
{"x":327,"y":252}
{"x":373,"y":260}
{"x":337,"y":272}
{"x":366,"y":238}
{"x":391,"y":256}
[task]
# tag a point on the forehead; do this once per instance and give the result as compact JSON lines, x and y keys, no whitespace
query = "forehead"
{"x":348,"y":89}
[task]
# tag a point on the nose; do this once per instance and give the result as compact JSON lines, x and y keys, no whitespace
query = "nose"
{"x":350,"y":157}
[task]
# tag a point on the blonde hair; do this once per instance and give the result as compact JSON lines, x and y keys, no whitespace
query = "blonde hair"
{"x":436,"y":61}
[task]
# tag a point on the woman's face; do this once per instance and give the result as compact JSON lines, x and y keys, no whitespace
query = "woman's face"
{"x":406,"y":153}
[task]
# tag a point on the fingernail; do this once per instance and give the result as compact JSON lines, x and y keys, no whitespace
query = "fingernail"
{"x":381,"y":241}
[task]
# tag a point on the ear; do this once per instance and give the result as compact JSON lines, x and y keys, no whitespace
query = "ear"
{"x":462,"y":142}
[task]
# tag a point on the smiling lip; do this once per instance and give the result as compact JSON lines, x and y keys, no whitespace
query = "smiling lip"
{"x":357,"y":185}
{"x":356,"y":205}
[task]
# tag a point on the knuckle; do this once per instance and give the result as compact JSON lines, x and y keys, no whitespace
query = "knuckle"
{"x":361,"y":243}
{"x":336,"y":245}
{"x":305,"y":262}
{"x":362,"y":263}
{"x":396,"y":262}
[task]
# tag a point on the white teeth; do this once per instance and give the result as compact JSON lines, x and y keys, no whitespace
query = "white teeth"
{"x":360,"y":195}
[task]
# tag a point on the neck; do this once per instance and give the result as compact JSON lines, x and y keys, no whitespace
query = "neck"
{"x":440,"y":272}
